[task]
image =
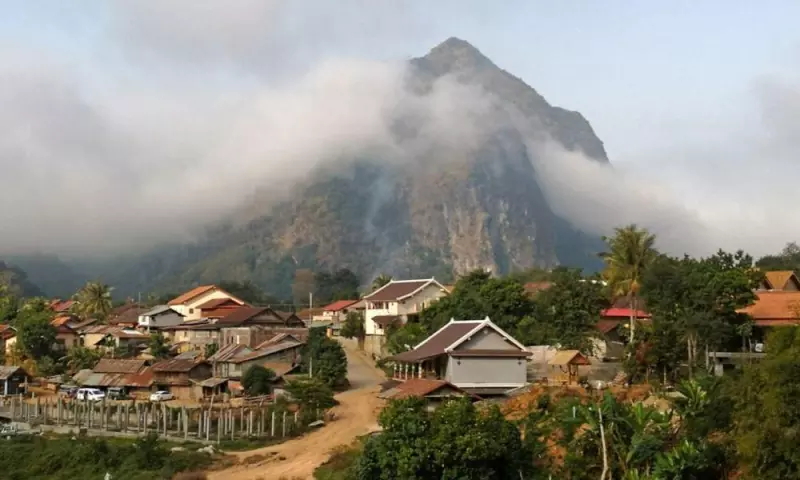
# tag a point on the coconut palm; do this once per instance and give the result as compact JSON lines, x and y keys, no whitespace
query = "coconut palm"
{"x":630,"y":252}
{"x":93,"y":301}
{"x":380,"y":281}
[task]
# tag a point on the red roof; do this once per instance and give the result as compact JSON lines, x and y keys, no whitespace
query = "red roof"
{"x":339,"y":305}
{"x":59,"y":306}
{"x":195,"y":292}
{"x":616,"y":312}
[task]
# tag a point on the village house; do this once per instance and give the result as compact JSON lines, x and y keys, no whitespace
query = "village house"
{"x":111,"y":336}
{"x":192,"y":334}
{"x":235,"y":327}
{"x":397,"y":302}
{"x":126,"y":315}
{"x":133,"y":376}
{"x":159,"y":317}
{"x":434,"y":391}
{"x":189,"y":303}
{"x":233,"y":360}
{"x":336,"y":311}
{"x":13,"y":380}
{"x":61,"y":306}
{"x":474,"y":355}
{"x":783,"y":280}
{"x":218,"y":308}
{"x":181,"y":377}
{"x":66,"y":337}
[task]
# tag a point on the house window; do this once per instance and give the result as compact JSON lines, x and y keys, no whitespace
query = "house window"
{"x":191,"y":310}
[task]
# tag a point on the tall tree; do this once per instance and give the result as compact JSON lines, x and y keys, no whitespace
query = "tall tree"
{"x":159,"y":347}
{"x":35,"y":334}
{"x":630,"y":252}
{"x":93,"y":301}
{"x":478,"y":295}
{"x":257,"y":380}
{"x":569,"y":310}
{"x":380,"y":281}
{"x":354,"y":327}
{"x":341,"y":284}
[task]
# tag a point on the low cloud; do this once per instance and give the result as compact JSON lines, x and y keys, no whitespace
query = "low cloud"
{"x":203,"y":108}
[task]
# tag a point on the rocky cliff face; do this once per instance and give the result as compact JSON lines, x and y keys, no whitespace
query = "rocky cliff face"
{"x":446,"y":209}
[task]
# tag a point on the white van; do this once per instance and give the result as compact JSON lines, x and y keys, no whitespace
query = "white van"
{"x":91,"y":394}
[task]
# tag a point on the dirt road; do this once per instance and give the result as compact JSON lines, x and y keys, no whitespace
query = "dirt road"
{"x":355,"y":415}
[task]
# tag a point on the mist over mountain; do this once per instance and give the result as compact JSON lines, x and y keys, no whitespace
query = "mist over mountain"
{"x":454,"y":187}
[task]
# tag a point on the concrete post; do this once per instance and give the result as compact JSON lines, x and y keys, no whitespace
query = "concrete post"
{"x":200,"y":424}
{"x":208,"y":424}
{"x":272,"y":428}
{"x":283,"y":424}
{"x":250,"y":424}
{"x":219,"y":429}
{"x":185,"y":416}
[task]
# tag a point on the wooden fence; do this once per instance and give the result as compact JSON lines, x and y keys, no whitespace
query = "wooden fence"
{"x":209,"y":424}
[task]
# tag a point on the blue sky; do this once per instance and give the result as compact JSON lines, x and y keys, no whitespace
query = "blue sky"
{"x":696,"y":97}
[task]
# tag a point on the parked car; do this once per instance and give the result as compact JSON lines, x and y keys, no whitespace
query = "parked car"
{"x":116,"y":393}
{"x":161,"y":396}
{"x":68,"y":391}
{"x":91,"y":394}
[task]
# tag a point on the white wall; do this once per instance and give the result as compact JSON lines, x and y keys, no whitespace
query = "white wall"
{"x":409,"y":306}
{"x":189,"y":309}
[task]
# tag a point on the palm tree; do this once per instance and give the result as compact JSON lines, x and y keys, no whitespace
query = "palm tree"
{"x":630,"y":252}
{"x":380,"y":281}
{"x":93,"y":301}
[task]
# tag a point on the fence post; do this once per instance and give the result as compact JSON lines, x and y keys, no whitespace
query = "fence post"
{"x":283,"y":423}
{"x":272,"y":429}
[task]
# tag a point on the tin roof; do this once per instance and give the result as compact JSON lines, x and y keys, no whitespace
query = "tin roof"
{"x":569,"y":357}
{"x":264,"y":352}
{"x":116,"y":365}
{"x":88,"y":378}
{"x":7,"y":371}
{"x":175,"y":365}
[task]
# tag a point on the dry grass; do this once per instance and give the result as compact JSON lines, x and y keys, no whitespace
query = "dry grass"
{"x":190,"y":476}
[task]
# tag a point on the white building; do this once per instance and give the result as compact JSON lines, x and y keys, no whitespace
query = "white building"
{"x":188,"y":304}
{"x":397,"y":300}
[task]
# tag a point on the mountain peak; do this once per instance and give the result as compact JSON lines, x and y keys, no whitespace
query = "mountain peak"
{"x":455,"y":53}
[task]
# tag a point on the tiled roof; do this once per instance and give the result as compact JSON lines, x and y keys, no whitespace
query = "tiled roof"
{"x":778,"y":279}
{"x":195,"y":292}
{"x":65,"y":329}
{"x":111,"y":365}
{"x":774,"y":305}
{"x":436,"y":344}
{"x":308,"y":313}
{"x":399,"y":289}
{"x":339,"y":305}
{"x":175,"y":365}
